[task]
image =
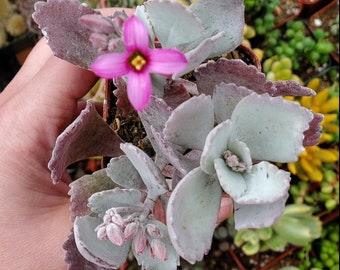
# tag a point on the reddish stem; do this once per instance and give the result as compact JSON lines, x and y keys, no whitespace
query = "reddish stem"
{"x":279,"y":258}
{"x":235,"y":258}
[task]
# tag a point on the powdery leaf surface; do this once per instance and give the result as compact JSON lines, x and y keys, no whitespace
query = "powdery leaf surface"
{"x":102,"y":252}
{"x":238,"y":72}
{"x":83,"y":188}
{"x":73,"y":257}
{"x":67,"y":37}
{"x":192,"y":214}
{"x":87,"y":136}
{"x":187,"y":126}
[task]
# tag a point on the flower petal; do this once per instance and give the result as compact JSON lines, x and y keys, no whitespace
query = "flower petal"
{"x":271,"y":127}
{"x":111,"y":65}
{"x":166,"y":61}
{"x":136,"y":35}
{"x":215,"y":144}
{"x":139,"y":89}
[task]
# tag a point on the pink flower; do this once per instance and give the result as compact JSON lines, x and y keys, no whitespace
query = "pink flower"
{"x":137,"y":62}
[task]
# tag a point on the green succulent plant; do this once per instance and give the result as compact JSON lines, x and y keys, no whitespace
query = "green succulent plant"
{"x":297,"y":226}
{"x":280,"y":68}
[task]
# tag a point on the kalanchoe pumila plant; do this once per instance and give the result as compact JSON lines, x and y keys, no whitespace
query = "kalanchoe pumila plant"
{"x":213,"y":134}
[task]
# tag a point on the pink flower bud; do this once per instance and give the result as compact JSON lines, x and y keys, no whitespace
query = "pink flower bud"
{"x":158,"y":249}
{"x":97,"y":23}
{"x":153,"y":230}
{"x":130,"y":230}
{"x":99,"y":41}
{"x":115,"y":234}
{"x":101,"y":232}
{"x":139,"y":241}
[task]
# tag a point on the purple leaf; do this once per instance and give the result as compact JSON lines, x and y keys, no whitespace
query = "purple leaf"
{"x":67,"y":37}
{"x":230,"y":71}
{"x":87,"y":136}
{"x":82,"y":189}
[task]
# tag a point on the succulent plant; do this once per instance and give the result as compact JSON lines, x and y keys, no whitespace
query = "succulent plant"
{"x":296,"y":226}
{"x":216,"y":133}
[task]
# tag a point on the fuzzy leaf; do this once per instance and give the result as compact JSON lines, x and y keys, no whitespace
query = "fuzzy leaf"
{"x":182,"y":163}
{"x":104,"y":200}
{"x":87,"y":136}
{"x":215,"y":144}
{"x":271,"y":127}
{"x":258,"y":215}
{"x":232,"y":183}
{"x":230,"y":71}
{"x":148,"y":262}
{"x":265,"y":184}
{"x":100,"y":252}
{"x":190,"y":136}
{"x":192,"y":213}
{"x":177,"y":27}
{"x":67,"y":37}
{"x":225,"y":99}
{"x":226,"y":17}
{"x":74,"y":259}
{"x":123,"y":173}
{"x":155,"y":115}
{"x":147,"y":169}
{"x":82,"y":189}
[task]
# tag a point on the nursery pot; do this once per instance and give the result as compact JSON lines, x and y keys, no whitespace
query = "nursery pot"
{"x":325,"y":19}
{"x":286,"y":11}
{"x":312,"y":6}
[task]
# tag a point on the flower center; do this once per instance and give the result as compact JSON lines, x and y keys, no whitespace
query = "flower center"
{"x":137,"y":61}
{"x":234,"y":162}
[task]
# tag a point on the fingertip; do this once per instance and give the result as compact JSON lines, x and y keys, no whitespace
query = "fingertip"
{"x":226,"y":208}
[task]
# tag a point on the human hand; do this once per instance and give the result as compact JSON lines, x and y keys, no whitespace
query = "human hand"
{"x":35,"y":108}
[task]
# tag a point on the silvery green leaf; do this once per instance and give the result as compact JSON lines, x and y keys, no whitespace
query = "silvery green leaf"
{"x":192,"y":214}
{"x":248,"y":216}
{"x":174,"y":157}
{"x":178,"y":131}
{"x":225,"y":99}
{"x":177,"y":27}
{"x":266,"y":183}
{"x":232,"y":182}
{"x":100,"y":252}
{"x":271,"y":127}
{"x":198,"y":54}
{"x":148,"y":263}
{"x":123,"y":173}
{"x":221,"y":16}
{"x":147,"y":169}
{"x":82,"y":189}
{"x":215,"y":144}
{"x":104,"y":200}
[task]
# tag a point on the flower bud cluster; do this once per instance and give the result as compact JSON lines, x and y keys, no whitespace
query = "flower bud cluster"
{"x":106,"y":32}
{"x":234,"y":162}
{"x":144,"y":236}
